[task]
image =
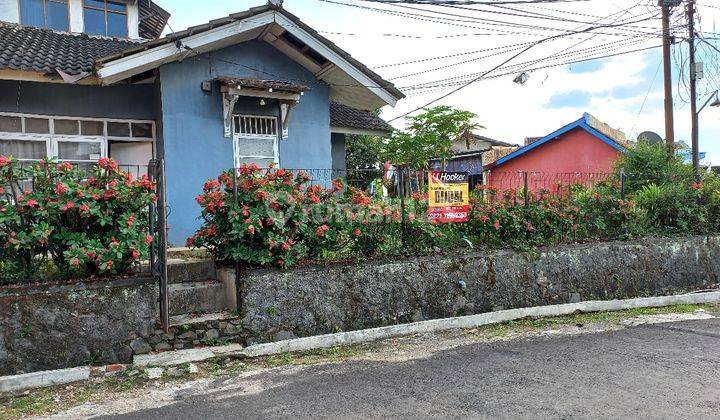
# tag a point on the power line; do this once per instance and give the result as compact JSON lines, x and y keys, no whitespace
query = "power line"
{"x":474,"y":2}
{"x":583,"y":53}
{"x":495,"y":68}
{"x":455,"y":22}
{"x":442,"y":87}
{"x":642,"y":107}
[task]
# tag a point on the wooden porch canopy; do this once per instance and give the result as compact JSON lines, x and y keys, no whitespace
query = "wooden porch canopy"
{"x":287,"y":93}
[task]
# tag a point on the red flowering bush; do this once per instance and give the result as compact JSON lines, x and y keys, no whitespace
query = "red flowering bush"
{"x":264,"y":227}
{"x":281,"y":219}
{"x":84,"y":223}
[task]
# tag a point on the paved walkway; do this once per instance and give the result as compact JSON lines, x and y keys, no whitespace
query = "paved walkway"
{"x":649,"y":371}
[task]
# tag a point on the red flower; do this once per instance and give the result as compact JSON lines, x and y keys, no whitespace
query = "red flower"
{"x":357,"y":232}
{"x":337,"y":185}
{"x":696,"y":185}
{"x":75,"y":262}
{"x":190,"y":242}
{"x":211,"y":185}
{"x":251,"y":229}
{"x":31,"y":203}
{"x":135,"y":254}
{"x":4,"y":161}
{"x":148,"y":239}
{"x":285,"y":246}
{"x":60,"y":188}
{"x":130,"y":220}
{"x":496,"y":225}
{"x":69,"y":205}
{"x":64,"y":166}
{"x":322,"y":230}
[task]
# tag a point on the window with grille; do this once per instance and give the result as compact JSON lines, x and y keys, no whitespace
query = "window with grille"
{"x":255,"y":140}
{"x":255,"y":126}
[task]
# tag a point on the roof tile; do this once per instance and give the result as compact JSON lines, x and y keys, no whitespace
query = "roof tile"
{"x":348,"y":117}
{"x":43,"y":50}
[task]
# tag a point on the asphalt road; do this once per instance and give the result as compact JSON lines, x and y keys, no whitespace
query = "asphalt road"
{"x":650,"y":371}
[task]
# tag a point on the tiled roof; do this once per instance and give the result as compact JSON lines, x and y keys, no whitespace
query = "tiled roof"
{"x":43,"y":50}
{"x":347,"y":117}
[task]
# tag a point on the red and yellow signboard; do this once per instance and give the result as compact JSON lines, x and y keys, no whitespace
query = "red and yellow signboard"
{"x":448,"y":196}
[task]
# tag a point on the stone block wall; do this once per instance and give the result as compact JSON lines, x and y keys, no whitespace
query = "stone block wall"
{"x":57,"y":326}
{"x":343,"y":297}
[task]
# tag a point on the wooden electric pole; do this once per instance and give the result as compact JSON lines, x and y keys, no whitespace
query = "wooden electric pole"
{"x":665,"y":5}
{"x":693,"y":89}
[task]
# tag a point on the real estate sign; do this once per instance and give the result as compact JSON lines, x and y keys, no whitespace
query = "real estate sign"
{"x":448,"y":196}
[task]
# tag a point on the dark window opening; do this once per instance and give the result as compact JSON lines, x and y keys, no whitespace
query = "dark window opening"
{"x":304,"y":48}
{"x":52,"y":14}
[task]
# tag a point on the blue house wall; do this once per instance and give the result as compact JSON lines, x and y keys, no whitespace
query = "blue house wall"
{"x":194,"y":145}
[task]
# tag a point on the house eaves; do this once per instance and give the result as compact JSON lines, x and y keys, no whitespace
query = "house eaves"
{"x":351,"y":82}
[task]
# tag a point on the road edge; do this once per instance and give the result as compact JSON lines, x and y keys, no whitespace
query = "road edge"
{"x":23,"y":382}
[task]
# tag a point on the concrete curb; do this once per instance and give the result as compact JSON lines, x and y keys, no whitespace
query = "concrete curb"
{"x":436,"y":325}
{"x":25,"y":381}
{"x":15,"y":383}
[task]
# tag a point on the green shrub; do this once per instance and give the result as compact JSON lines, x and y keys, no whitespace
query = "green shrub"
{"x":671,"y":208}
{"x":647,"y":164}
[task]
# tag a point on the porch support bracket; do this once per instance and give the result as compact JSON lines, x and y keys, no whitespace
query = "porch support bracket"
{"x":229,"y":101}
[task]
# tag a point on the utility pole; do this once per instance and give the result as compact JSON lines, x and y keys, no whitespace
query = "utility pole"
{"x":665,"y":5}
{"x":693,"y":90}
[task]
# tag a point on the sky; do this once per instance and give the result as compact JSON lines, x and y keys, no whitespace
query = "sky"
{"x":624,"y":91}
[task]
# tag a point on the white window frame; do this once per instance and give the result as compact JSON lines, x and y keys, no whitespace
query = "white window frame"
{"x":52,"y":139}
{"x":238,"y":137}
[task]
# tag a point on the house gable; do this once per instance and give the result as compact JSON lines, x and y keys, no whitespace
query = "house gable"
{"x":581,"y":124}
{"x":351,"y":82}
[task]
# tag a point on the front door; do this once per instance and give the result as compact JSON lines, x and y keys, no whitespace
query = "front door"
{"x":255,"y":140}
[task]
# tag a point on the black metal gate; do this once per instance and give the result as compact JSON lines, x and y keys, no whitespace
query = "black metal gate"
{"x":158,"y":229}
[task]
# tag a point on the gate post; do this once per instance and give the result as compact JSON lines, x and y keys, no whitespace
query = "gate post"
{"x":158,"y":256}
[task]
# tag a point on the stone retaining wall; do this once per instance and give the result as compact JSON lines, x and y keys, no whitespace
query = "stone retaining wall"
{"x":343,"y":297}
{"x":46,"y":327}
{"x":49,"y":327}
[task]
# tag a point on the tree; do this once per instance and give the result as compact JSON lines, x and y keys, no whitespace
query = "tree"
{"x":362,"y":160}
{"x":429,"y":135}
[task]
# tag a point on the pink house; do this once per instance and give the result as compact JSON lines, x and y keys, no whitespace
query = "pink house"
{"x":581,"y":152}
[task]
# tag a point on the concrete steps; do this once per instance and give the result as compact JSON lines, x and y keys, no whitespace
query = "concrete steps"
{"x":187,"y":271}
{"x":194,"y":288}
{"x":196,"y":297}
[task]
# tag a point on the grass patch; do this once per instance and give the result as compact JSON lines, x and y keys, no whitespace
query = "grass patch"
{"x":538,"y":324}
{"x":52,"y":400}
{"x":328,"y":355}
